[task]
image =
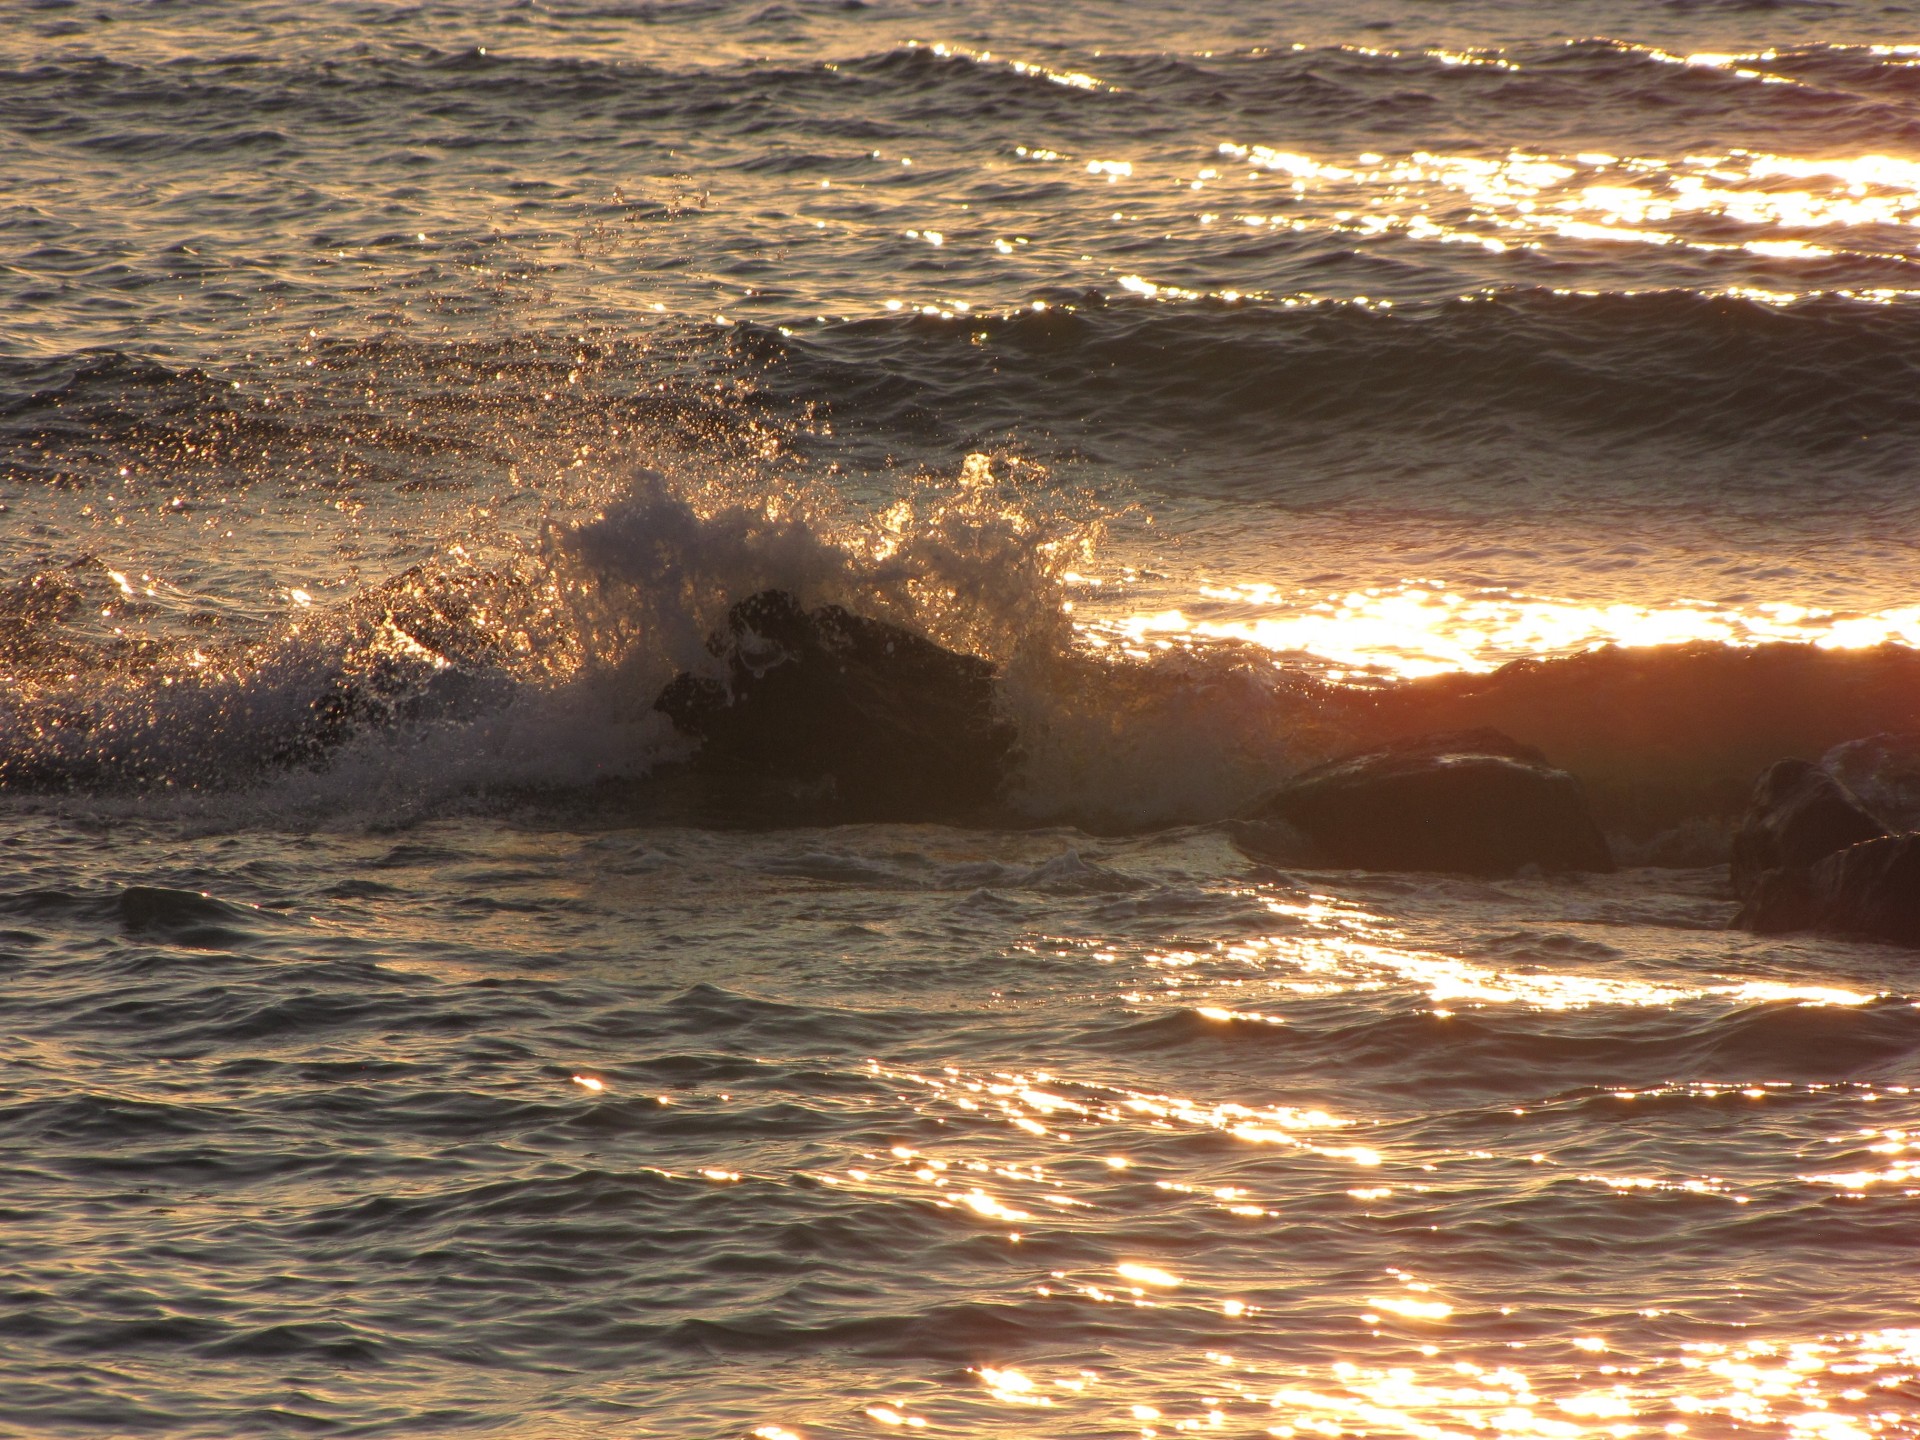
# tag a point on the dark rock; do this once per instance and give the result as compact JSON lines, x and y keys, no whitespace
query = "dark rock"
{"x":1475,"y":801}
{"x":1871,"y":889}
{"x":1883,"y":772}
{"x":1811,"y":855}
{"x":1799,"y":815}
{"x":874,"y":721}
{"x":1778,"y":902}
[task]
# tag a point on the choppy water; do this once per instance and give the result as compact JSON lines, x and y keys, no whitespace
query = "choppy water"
{"x":413,"y":1068}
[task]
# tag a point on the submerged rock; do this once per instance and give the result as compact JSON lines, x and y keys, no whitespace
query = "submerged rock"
{"x":869,"y":719}
{"x":1660,"y":735}
{"x":1475,"y":801}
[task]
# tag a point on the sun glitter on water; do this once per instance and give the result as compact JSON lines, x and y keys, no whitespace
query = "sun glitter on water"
{"x":1419,"y":628}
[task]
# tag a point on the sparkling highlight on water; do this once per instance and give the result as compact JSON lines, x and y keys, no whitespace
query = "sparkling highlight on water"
{"x":490,"y":494}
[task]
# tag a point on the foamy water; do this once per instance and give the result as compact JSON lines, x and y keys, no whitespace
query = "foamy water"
{"x":392,"y":400}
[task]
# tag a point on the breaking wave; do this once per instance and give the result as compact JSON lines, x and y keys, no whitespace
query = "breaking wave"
{"x":456,"y":682}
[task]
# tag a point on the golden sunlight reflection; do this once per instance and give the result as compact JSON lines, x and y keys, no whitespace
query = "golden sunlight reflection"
{"x":1837,"y":1387}
{"x":1410,"y":1307}
{"x":1012,"y":1388}
{"x":1335,"y":947}
{"x":1090,"y":1193}
{"x":1093,"y":1189}
{"x":1750,"y":223}
{"x":1897,"y":1155}
{"x":1869,"y":203}
{"x":1419,"y":628}
{"x":1072,"y":79}
{"x":888,"y":1415}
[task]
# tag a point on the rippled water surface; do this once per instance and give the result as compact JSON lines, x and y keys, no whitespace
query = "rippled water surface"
{"x":553,"y":1131}
{"x":393,"y":397}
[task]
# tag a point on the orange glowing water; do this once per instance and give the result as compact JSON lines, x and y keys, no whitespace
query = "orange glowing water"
{"x":392,"y":399}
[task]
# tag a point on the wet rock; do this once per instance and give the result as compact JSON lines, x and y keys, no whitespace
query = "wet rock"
{"x":1474,"y":801}
{"x":1778,"y":902}
{"x":1798,"y":815}
{"x":1812,"y":855}
{"x":866,"y":719}
{"x":1883,"y":771}
{"x":1870,"y":889}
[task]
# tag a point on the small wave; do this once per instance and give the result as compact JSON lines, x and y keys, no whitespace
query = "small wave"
{"x":582,"y":1192}
{"x":109,"y":1121}
{"x":1065,"y":874}
{"x":1664,"y":736}
{"x":1689,"y":370}
{"x":1478,"y":1052}
{"x":957,"y":1333}
{"x":711,"y":1010}
{"x":1177,"y":1029}
{"x":324,"y":1342}
{"x":834,"y":869}
{"x":185,"y":917}
{"x":1818,"y":1042}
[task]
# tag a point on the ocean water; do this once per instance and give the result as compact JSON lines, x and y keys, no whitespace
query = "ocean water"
{"x":393,"y":397}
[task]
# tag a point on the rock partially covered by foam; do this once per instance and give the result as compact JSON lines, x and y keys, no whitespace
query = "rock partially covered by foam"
{"x":871,"y":720}
{"x":1799,"y":815}
{"x":1474,"y":801}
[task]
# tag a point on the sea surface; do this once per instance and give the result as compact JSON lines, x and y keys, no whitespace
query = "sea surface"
{"x":394,"y":396}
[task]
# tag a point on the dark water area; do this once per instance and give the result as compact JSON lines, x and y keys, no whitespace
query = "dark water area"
{"x":393,"y":398}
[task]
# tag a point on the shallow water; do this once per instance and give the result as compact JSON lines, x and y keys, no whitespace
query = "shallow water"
{"x":542,"y":1130}
{"x":393,"y":397}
